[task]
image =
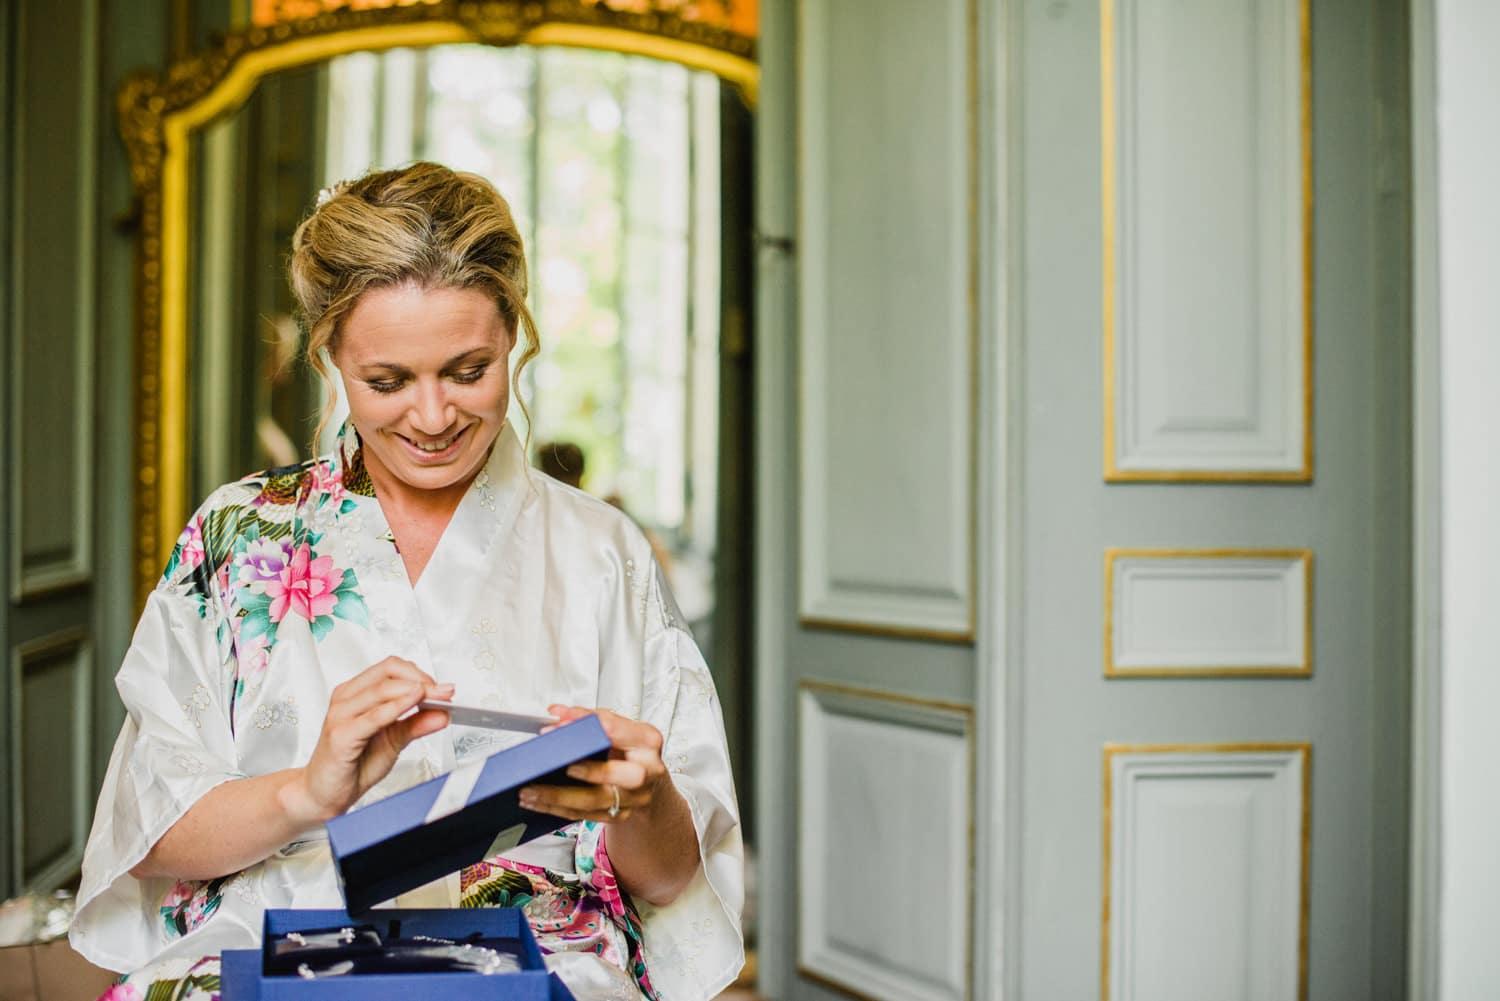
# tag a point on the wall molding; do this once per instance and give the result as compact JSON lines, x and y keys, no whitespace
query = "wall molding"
{"x":54,"y":650}
{"x":923,"y":592}
{"x":1273,"y":830}
{"x":1160,"y":603}
{"x":868,"y":727}
{"x":36,"y":574}
{"x":1167,"y":415}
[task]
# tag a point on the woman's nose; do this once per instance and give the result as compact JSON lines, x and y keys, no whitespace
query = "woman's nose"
{"x":431,"y":413}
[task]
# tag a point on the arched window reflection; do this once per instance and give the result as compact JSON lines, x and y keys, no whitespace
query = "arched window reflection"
{"x":611,"y":165}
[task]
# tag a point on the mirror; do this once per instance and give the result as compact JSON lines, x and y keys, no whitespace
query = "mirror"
{"x":611,"y":166}
{"x":603,"y":128}
{"x":622,"y":140}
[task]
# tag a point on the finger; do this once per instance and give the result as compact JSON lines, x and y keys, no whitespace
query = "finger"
{"x":390,"y":668}
{"x":392,"y":688}
{"x":416,"y":726}
{"x":578,"y":802}
{"x":565,"y":714}
{"x":632,"y":739}
{"x":356,"y":731}
{"x":378,"y":755}
{"x":622,"y":731}
{"x":624,"y":774}
{"x":406,"y":671}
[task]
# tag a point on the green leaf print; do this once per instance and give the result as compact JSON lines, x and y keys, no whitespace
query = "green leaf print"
{"x":163,"y":990}
{"x":254,"y":601}
{"x":256,"y":623}
{"x":351,"y":606}
{"x":220,"y":536}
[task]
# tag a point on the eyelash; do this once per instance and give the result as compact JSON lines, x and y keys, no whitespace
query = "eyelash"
{"x":465,"y":377}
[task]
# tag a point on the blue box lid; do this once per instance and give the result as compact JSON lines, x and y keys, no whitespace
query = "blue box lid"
{"x":391,"y":846}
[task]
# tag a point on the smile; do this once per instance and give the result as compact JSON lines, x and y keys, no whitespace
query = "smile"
{"x":434,"y":449}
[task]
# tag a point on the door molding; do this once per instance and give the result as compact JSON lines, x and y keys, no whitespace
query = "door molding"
{"x":998,"y":697}
{"x":775,"y":580}
{"x":1424,"y":860}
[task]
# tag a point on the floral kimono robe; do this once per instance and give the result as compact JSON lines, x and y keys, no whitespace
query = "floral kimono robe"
{"x":288,"y":583}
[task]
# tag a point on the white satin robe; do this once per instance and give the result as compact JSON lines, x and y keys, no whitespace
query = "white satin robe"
{"x":536,"y":594}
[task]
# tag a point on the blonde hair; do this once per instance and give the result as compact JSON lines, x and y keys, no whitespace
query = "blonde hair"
{"x":422,"y":224}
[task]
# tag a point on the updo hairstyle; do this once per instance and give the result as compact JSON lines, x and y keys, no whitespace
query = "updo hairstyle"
{"x":422,"y":224}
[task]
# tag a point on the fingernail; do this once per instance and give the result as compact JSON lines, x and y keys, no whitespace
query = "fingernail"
{"x":575,"y":771}
{"x":528,"y":798}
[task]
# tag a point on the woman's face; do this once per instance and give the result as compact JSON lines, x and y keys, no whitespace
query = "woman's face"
{"x":427,"y":373}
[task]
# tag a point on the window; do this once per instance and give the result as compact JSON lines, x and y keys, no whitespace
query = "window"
{"x":611,"y":166}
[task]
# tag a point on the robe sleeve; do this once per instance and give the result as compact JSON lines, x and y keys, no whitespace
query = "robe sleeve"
{"x":694,"y":945}
{"x":175,"y":745}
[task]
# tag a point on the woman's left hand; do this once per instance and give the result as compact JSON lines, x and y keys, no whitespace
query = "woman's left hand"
{"x":629,"y":784}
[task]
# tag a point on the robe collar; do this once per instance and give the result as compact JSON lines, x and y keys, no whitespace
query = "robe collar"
{"x":491,"y":501}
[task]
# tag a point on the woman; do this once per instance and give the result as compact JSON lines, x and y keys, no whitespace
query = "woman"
{"x":306,"y":611}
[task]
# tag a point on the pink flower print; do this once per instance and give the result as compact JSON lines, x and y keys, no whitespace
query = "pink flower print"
{"x":121,"y":992}
{"x":254,"y":657}
{"x":602,"y":877}
{"x":191,"y":541}
{"x":305,"y":587}
{"x":263,"y":562}
{"x":180,"y":893}
{"x":327,"y":478}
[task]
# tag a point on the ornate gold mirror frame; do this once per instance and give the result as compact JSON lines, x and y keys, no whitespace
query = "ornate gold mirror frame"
{"x":159,"y":115}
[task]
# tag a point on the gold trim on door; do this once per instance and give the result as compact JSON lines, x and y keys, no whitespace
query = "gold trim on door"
{"x":159,"y":114}
{"x":1302,"y":747}
{"x":1305,"y":556}
{"x":1112,"y":473}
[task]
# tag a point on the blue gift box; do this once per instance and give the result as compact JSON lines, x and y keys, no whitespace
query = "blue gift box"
{"x":244,"y":977}
{"x":430,"y":830}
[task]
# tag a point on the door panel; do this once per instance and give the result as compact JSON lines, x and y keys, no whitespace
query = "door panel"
{"x":48,"y":327}
{"x":866,"y":523}
{"x":1220,"y":322}
{"x":1152,"y":633}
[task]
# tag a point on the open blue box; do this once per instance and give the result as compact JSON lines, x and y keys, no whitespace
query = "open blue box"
{"x":243,"y":975}
{"x":412,"y":838}
{"x":425,"y":832}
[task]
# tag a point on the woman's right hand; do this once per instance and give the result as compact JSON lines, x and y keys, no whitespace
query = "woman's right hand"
{"x":362,"y":736}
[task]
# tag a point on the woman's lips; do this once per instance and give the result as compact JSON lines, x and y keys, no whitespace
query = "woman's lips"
{"x":428,"y":455}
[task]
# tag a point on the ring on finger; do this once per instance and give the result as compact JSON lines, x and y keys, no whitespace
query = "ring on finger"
{"x":614,"y":809}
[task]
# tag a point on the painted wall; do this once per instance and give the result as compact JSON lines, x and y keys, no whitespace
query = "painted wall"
{"x":66,"y":479}
{"x":1466,"y":204}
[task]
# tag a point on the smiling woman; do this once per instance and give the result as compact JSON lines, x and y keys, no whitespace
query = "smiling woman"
{"x":422,"y":369}
{"x":413,"y":284}
{"x":275,"y":676}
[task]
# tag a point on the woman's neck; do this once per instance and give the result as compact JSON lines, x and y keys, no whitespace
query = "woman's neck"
{"x":410,"y":503}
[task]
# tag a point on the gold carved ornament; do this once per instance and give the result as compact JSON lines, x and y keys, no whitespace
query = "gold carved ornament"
{"x":158,"y":113}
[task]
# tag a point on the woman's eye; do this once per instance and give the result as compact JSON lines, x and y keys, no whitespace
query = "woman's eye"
{"x":383,"y":385}
{"x":470,"y":374}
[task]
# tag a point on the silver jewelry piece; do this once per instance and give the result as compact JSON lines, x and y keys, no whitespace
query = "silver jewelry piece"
{"x":614,"y":810}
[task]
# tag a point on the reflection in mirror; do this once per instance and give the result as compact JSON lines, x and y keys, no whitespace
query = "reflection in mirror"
{"x":611,"y":164}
